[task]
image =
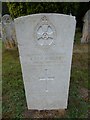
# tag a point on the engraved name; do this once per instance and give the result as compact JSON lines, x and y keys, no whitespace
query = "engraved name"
{"x":47,"y":59}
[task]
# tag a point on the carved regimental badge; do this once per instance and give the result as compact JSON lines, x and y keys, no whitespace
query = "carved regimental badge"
{"x":45,"y":32}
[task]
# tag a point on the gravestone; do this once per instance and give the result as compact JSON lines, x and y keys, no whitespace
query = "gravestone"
{"x":45,"y":43}
{"x":8,"y":32}
{"x":86,"y":28}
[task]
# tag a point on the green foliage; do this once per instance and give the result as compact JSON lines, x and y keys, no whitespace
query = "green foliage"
{"x":19,"y":9}
{"x":16,"y":9}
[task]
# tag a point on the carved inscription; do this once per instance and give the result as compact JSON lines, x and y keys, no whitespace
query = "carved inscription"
{"x":38,"y":59}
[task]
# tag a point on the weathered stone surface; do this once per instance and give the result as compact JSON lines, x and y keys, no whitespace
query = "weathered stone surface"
{"x":8,"y":32}
{"x":45,"y":44}
{"x":86,"y":28}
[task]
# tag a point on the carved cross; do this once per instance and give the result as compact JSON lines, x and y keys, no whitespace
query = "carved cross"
{"x":46,"y":78}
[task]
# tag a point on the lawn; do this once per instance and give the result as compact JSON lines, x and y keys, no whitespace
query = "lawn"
{"x":14,"y":102}
{"x":0,"y":78}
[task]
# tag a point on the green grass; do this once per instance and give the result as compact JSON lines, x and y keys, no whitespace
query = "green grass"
{"x":0,"y":78}
{"x":78,"y":36}
{"x":14,"y":102}
{"x":13,"y":90}
{"x":0,"y":57}
{"x":78,"y":106}
{"x":0,"y":43}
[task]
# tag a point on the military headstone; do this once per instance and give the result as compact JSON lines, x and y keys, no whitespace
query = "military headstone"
{"x":45,"y":43}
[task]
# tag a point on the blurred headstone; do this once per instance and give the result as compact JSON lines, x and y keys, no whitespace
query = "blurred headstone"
{"x":8,"y":32}
{"x":86,"y":28}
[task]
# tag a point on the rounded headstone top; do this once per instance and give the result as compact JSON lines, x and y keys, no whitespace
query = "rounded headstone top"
{"x":6,"y":19}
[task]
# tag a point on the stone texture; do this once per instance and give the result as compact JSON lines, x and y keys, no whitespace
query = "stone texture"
{"x":86,"y":28}
{"x":45,"y":43}
{"x":8,"y":32}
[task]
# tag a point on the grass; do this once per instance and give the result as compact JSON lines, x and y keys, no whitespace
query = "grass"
{"x":78,"y":36}
{"x":0,"y":78}
{"x":78,"y":103}
{"x":13,"y":90}
{"x":14,"y":102}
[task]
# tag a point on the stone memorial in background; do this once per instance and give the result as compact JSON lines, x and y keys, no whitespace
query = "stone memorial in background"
{"x":86,"y":28}
{"x":8,"y":32}
{"x":45,"y":43}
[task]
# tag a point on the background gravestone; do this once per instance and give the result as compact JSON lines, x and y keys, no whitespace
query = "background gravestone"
{"x":86,"y":28}
{"x":8,"y":32}
{"x":45,"y":43}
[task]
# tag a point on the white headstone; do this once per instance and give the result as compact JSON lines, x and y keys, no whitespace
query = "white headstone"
{"x":45,"y":43}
